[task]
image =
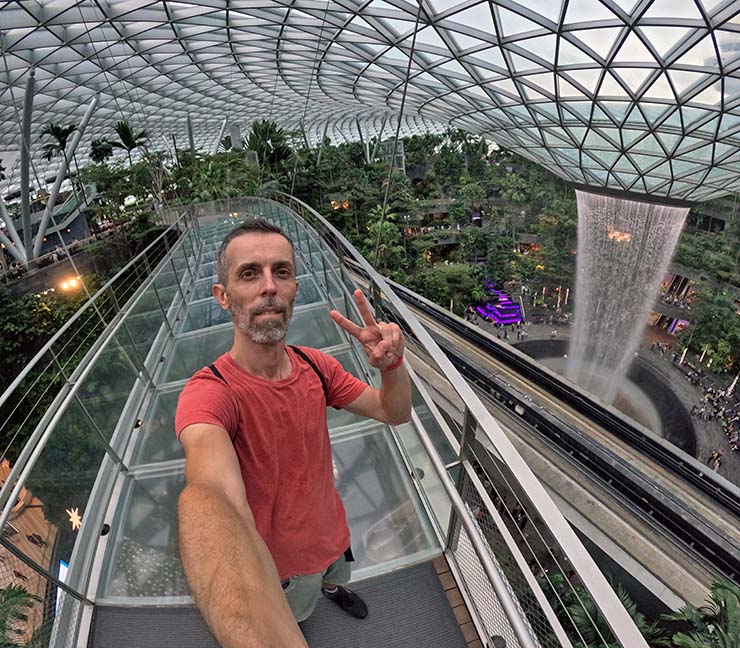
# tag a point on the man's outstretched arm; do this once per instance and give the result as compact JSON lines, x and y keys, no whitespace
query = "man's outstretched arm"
{"x":229,"y":568}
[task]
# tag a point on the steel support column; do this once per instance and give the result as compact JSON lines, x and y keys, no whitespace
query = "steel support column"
{"x":26,"y":165}
{"x":365,"y":144}
{"x":60,"y":176}
{"x":220,"y":137}
{"x":20,"y":252}
{"x":379,"y":136}
{"x":321,"y":144}
{"x":191,"y":139}
{"x":236,"y":137}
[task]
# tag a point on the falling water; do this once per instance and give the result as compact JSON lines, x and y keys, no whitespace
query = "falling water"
{"x":624,"y":248}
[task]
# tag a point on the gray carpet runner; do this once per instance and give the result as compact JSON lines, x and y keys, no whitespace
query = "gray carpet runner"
{"x":406,"y":608}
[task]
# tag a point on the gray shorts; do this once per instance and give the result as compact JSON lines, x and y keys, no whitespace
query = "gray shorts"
{"x":303,"y":591}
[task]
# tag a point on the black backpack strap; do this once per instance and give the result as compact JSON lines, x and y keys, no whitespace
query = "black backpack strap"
{"x":217,"y":373}
{"x":313,"y":366}
{"x":220,"y":376}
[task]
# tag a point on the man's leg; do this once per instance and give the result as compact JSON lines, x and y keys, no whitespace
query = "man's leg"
{"x":302,"y":593}
{"x":333,"y":587}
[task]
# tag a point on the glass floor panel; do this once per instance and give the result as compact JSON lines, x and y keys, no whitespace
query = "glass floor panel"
{"x":156,"y":439}
{"x":310,"y":327}
{"x":378,"y":495}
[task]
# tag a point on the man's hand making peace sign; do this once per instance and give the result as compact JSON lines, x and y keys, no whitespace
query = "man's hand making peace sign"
{"x":382,"y":342}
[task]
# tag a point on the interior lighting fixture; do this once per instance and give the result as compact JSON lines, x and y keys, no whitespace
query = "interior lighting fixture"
{"x":75,"y":518}
{"x":70,"y":284}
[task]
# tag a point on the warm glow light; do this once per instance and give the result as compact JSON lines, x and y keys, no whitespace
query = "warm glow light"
{"x":74,"y":517}
{"x":616,"y":235}
{"x":71,"y":283}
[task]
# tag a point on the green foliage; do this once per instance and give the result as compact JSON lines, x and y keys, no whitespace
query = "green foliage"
{"x":458,"y":282}
{"x":226,"y":174}
{"x":458,"y":214}
{"x":59,"y":145}
{"x":269,"y":141}
{"x":582,"y":619}
{"x":15,"y":600}
{"x":715,"y":327}
{"x":500,"y":263}
{"x":714,"y":625}
{"x":712,"y":254}
{"x":420,"y":148}
{"x":473,"y":244}
{"x":128,"y":139}
{"x":100,"y":150}
{"x":383,"y":246}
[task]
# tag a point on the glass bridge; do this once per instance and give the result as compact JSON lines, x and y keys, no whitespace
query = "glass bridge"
{"x":88,"y":508}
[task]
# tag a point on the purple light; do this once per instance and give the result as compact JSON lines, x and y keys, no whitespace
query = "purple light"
{"x":501,"y":309}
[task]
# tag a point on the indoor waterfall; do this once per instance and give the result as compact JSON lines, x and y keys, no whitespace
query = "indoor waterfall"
{"x":624,"y":248}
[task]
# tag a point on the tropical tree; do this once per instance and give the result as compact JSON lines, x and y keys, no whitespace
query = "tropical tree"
{"x":383,"y":246}
{"x":2,"y":171}
{"x":458,"y":214}
{"x":129,"y":140}
{"x":100,"y":150}
{"x":458,"y":284}
{"x":715,"y":327}
{"x":714,"y":625}
{"x":269,"y":141}
{"x":59,"y":145}
{"x":582,"y":619}
{"x":473,"y":243}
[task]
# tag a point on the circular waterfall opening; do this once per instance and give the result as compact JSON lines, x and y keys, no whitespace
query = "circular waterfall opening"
{"x":630,"y":399}
{"x":644,"y":395}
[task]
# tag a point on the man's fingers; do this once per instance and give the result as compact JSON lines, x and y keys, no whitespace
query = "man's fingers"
{"x":365,"y":312}
{"x":347,"y":325}
{"x":378,"y":354}
{"x":397,"y":338}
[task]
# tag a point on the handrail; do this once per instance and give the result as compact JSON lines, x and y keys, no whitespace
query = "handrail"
{"x":605,"y":598}
{"x":68,"y":324}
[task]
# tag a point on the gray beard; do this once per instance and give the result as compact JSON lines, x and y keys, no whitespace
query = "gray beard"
{"x":270,"y":331}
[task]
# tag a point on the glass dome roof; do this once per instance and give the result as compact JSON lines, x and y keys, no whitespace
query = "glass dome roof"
{"x":638,"y":95}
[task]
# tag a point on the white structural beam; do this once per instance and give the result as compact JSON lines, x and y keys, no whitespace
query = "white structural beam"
{"x":18,"y":253}
{"x":26,"y":165}
{"x":10,"y":226}
{"x":220,"y":136}
{"x":60,"y":177}
{"x":191,"y":139}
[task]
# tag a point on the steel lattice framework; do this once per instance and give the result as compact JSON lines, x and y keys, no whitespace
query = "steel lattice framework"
{"x":638,"y":95}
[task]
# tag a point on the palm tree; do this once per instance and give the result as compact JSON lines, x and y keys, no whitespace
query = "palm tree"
{"x":14,"y":601}
{"x":100,"y":150}
{"x":59,"y":145}
{"x":714,"y":625}
{"x":128,"y":139}
{"x":268,"y":140}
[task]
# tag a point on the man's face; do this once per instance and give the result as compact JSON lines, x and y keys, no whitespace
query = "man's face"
{"x":261,"y":287}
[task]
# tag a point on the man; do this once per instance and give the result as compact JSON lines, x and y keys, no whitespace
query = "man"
{"x":262,"y":527}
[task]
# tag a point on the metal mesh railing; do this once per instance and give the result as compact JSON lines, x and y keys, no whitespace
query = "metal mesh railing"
{"x":65,"y":422}
{"x":492,"y":523}
{"x":36,"y":610}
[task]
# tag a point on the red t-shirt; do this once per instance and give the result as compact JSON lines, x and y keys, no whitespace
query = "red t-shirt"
{"x":281,"y":439}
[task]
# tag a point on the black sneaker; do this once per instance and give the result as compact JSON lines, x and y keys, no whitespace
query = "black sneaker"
{"x":350,"y":602}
